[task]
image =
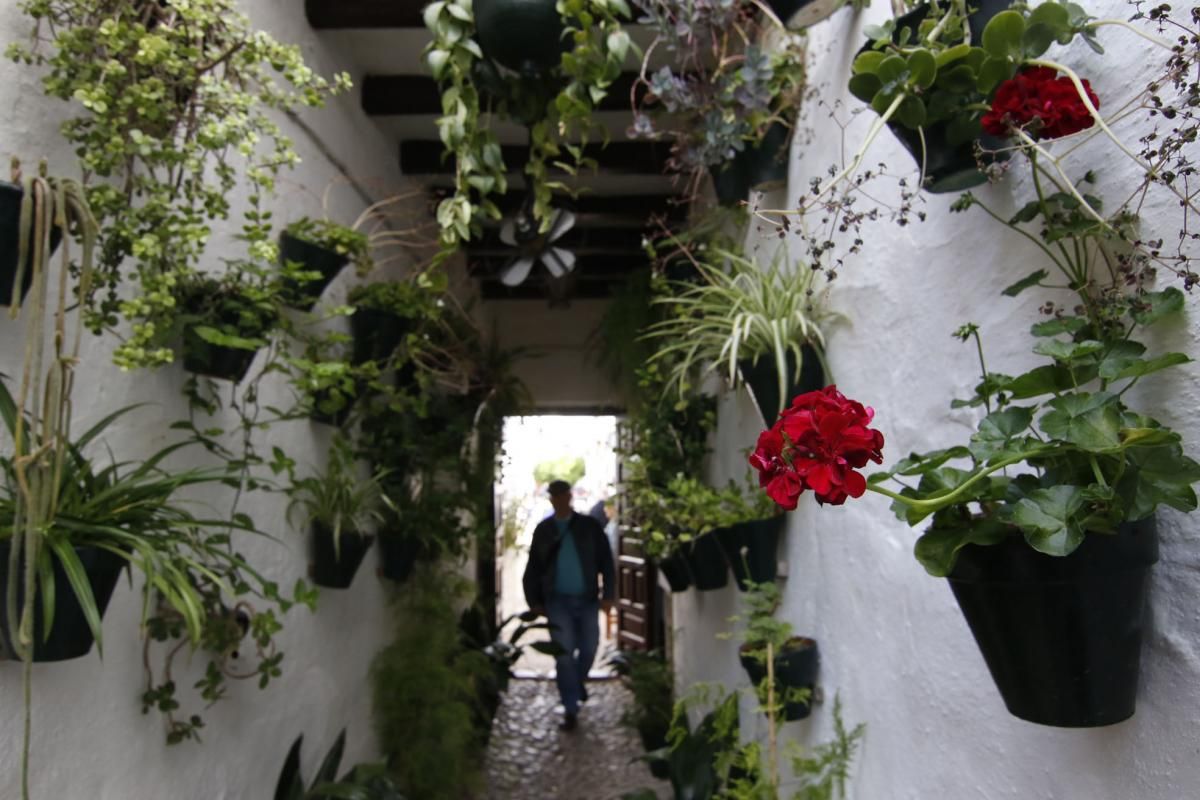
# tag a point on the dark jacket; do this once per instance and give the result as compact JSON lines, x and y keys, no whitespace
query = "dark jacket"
{"x":595,"y":558}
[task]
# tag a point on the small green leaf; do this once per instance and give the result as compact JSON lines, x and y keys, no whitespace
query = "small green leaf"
{"x":951,"y":54}
{"x":1054,"y":327}
{"x":992,"y":73}
{"x":1033,"y":279}
{"x":867,"y":63}
{"x":1002,"y":36}
{"x":938,"y":547}
{"x":911,"y":112}
{"x":1067,"y":351}
{"x":865,"y":86}
{"x":922,"y":68}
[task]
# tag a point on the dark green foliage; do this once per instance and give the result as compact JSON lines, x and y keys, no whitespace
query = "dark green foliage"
{"x":648,"y":678}
{"x":424,"y":686}
{"x":360,"y":782}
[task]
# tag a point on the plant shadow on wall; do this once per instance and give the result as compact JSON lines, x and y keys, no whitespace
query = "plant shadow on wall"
{"x":1055,"y":505}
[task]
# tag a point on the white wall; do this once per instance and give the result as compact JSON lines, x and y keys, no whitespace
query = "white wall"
{"x":893,"y":642}
{"x":90,"y":738}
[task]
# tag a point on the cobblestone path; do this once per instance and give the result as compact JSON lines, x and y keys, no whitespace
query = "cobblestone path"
{"x":529,"y":758}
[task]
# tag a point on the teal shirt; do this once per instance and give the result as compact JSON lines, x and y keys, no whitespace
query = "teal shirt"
{"x":568,"y":572}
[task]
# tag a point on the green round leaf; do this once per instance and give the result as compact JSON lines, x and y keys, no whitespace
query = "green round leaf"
{"x":922,"y":69}
{"x":865,"y":86}
{"x":1002,"y":36}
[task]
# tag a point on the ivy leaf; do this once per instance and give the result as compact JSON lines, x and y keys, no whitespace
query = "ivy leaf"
{"x":1158,"y":476}
{"x":1032,"y":279}
{"x":1089,"y":421}
{"x":998,"y":429}
{"x":219,"y":339}
{"x":1048,"y":519}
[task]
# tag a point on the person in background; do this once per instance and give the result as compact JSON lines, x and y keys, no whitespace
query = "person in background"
{"x":568,"y":579}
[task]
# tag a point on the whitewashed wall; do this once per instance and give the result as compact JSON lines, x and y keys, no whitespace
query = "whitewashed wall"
{"x":893,"y":642}
{"x":90,"y":737}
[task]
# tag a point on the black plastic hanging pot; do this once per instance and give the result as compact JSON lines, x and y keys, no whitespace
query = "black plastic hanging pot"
{"x":314,"y":258}
{"x":1062,"y":637}
{"x":766,"y":164}
{"x":803,"y":13}
{"x":950,"y":166}
{"x":10,"y":243}
{"x":706,"y":560}
{"x":335,"y":417}
{"x":763,"y":380}
{"x":523,"y":35}
{"x":751,"y":548}
{"x":730,"y":181}
{"x":336,"y":570}
{"x":676,"y":570}
{"x":213,"y":360}
{"x":398,"y":554}
{"x":70,"y":636}
{"x":795,"y":668}
{"x":377,"y":334}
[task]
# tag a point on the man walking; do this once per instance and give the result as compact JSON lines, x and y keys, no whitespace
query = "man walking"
{"x":569,"y":551}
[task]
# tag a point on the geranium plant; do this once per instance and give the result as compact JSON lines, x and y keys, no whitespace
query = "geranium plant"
{"x":732,"y":72}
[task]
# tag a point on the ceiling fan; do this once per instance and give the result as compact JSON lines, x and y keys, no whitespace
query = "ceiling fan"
{"x":532,"y":246}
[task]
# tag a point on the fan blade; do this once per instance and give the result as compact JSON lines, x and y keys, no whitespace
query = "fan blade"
{"x":517,"y":272}
{"x":558,"y":261}
{"x":508,"y":233}
{"x":564,"y":220}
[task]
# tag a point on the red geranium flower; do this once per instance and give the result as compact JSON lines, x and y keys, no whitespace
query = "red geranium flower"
{"x":1042,"y":97}
{"x":817,"y":444}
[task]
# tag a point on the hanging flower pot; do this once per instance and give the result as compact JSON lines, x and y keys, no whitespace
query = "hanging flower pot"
{"x":523,"y":35}
{"x":797,"y":14}
{"x":947,"y":152}
{"x":676,"y":571}
{"x":706,"y":561}
{"x":751,"y":548}
{"x":214,"y":360}
{"x":335,"y":570}
{"x":70,"y":636}
{"x":766,"y":164}
{"x":730,"y":181}
{"x":763,"y":379}
{"x":10,"y":232}
{"x":314,"y":258}
{"x":377,"y":334}
{"x":795,"y":668}
{"x":398,"y":554}
{"x":326,"y":411}
{"x":1061,"y":635}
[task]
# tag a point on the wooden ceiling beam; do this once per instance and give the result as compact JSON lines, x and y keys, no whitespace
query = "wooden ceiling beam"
{"x":335,"y":14}
{"x":424,"y":157}
{"x":393,"y":95}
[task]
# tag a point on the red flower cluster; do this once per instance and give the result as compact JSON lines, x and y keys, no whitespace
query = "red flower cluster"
{"x":1039,"y":94}
{"x":817,"y":444}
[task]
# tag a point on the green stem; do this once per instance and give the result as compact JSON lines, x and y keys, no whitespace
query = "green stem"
{"x":1096,"y":471}
{"x":931,"y":505}
{"x":1041,"y":245}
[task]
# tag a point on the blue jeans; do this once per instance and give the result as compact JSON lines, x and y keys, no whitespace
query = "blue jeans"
{"x":575,"y":627}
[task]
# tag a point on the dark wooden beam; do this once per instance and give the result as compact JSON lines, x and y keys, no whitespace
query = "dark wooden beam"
{"x":331,"y":14}
{"x":390,"y":95}
{"x":424,"y":157}
{"x":588,"y":267}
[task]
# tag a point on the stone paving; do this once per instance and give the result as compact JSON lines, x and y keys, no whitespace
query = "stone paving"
{"x":529,"y":758}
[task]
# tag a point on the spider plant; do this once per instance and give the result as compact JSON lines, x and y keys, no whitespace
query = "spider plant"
{"x":340,"y":499}
{"x":739,"y":312}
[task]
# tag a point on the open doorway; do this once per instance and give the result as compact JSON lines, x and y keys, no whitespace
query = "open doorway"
{"x":580,"y":449}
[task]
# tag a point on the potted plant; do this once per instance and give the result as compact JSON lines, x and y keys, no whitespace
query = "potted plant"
{"x":340,"y":507}
{"x":782,"y":667}
{"x":160,"y":165}
{"x":313,"y":252}
{"x":650,"y":682}
{"x":224,"y":320}
{"x":362,"y":781}
{"x":386,"y":312}
{"x":727,"y":95}
{"x":749,"y":534}
{"x":756,"y":326}
{"x":24,"y":247}
{"x":552,"y":90}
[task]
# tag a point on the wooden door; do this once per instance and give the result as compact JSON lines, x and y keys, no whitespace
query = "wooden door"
{"x":636,"y":589}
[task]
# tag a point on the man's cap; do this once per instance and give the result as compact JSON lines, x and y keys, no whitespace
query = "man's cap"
{"x":558,"y":487}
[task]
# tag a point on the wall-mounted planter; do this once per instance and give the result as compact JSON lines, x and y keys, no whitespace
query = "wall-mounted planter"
{"x":706,"y":561}
{"x":10,"y":242}
{"x":730,"y":182}
{"x":766,"y":164}
{"x":1062,"y":637}
{"x":336,"y":570}
{"x":215,"y":361}
{"x":398,"y":554}
{"x":674,"y":568}
{"x":751,"y":549}
{"x":377,"y":334}
{"x":950,"y":165}
{"x":70,"y":636}
{"x":763,"y":380}
{"x":796,"y":667}
{"x":314,"y":258}
{"x":523,"y":35}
